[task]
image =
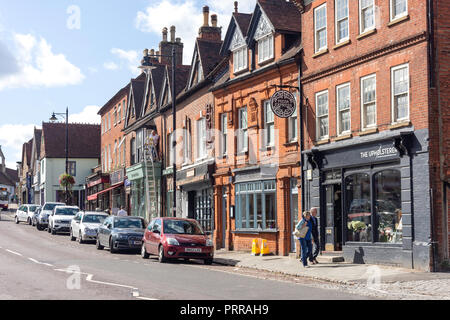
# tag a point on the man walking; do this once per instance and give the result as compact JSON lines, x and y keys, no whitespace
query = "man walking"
{"x":122,"y":212}
{"x":315,"y":236}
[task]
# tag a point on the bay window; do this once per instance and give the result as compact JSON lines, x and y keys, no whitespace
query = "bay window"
{"x":322,"y":115}
{"x":400,"y":93}
{"x":320,"y":27}
{"x":343,"y":108}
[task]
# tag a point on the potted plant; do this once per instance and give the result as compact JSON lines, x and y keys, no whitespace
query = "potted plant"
{"x":356,"y":226}
{"x":66,"y":181}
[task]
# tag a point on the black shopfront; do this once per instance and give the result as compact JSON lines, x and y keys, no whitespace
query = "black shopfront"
{"x":366,"y":189}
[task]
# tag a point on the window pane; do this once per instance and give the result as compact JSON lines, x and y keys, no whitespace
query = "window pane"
{"x":401,"y":81}
{"x":251,"y":212}
{"x":342,"y":9}
{"x":343,"y":29}
{"x":321,"y":20}
{"x":322,"y":104}
{"x":323,"y":127}
{"x":345,"y":121}
{"x":369,"y":90}
{"x":370,"y":114}
{"x":401,"y":106}
{"x":358,"y":208}
{"x":399,"y":7}
{"x":388,"y":205}
{"x":243,"y":210}
{"x":343,"y":98}
{"x":270,"y":210}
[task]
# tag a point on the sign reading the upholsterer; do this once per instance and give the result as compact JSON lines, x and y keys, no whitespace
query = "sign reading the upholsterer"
{"x":283,"y":104}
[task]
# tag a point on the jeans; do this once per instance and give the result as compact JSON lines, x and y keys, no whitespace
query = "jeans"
{"x":313,"y":254}
{"x":306,"y":246}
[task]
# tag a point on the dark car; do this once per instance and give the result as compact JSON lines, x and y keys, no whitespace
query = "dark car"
{"x":35,"y":217}
{"x":121,"y":233}
{"x":177,"y":238}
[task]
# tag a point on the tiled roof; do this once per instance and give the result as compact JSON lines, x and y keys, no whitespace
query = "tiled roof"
{"x":12,"y":174}
{"x":243,"y":21}
{"x":283,"y":15}
{"x":5,"y":180}
{"x":182,"y":75}
{"x":209,"y":52}
{"x":26,"y":151}
{"x":84,"y":140}
{"x":37,"y":141}
{"x":138,"y":87}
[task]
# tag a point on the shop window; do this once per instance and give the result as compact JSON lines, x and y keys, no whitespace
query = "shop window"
{"x":388,"y":206}
{"x":341,"y":21}
{"x":358,"y":207}
{"x":320,"y":27}
{"x":256,"y":205}
{"x":204,"y":209}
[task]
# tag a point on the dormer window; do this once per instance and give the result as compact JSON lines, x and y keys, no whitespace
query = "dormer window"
{"x":265,"y":48}
{"x":240,"y":59}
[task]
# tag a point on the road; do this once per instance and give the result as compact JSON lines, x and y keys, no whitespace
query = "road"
{"x":37,"y":265}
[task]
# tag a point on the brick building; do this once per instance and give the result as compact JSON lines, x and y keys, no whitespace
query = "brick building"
{"x":375,"y":156}
{"x":258,"y":154}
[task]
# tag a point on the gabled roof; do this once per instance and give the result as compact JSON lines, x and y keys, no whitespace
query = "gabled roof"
{"x":207,"y":53}
{"x":239,"y":22}
{"x":37,"y":142}
{"x":154,"y":83}
{"x":182,"y":75}
{"x":26,"y":152}
{"x":283,"y":15}
{"x":135,"y":98}
{"x":243,"y":21}
{"x":84,"y":140}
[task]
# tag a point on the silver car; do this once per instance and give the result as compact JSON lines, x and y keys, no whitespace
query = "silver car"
{"x":84,"y":226}
{"x":46,"y":211}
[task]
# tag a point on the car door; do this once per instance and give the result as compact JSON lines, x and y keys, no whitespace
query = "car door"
{"x":24,"y":214}
{"x":147,"y":236}
{"x":75,"y":224}
{"x":155,"y":237}
{"x":102,"y":231}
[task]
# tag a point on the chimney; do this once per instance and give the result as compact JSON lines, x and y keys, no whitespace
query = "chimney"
{"x":205,"y":16}
{"x":164,"y":33}
{"x":165,"y":48}
{"x":206,"y":32}
{"x":236,"y":4}
{"x":172,"y":34}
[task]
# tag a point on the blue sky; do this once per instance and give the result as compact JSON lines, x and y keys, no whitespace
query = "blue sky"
{"x":78,"y":53}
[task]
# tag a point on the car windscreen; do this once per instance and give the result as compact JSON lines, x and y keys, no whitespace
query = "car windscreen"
{"x":33,"y":209}
{"x":182,"y":227}
{"x":91,"y":218}
{"x":126,"y":223}
{"x":50,"y":206}
{"x":66,"y":211}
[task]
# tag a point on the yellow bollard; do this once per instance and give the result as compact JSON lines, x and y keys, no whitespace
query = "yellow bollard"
{"x":264,"y":248}
{"x":255,"y":247}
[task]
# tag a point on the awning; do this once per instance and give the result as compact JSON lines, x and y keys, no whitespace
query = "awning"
{"x":94,"y":196}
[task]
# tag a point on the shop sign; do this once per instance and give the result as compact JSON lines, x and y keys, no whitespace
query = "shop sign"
{"x":283,"y":104}
{"x":117,"y":176}
{"x":379,"y":153}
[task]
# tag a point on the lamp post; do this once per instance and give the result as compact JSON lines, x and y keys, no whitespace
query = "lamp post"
{"x":53,"y":119}
{"x":148,"y":64}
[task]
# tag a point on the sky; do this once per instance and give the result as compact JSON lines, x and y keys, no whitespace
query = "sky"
{"x":79,"y":53}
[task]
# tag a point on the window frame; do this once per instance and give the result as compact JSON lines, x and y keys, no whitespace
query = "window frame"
{"x":364,"y":126}
{"x":360,"y":10}
{"x":336,"y":23}
{"x":339,"y":130}
{"x":393,"y":111}
{"x":290,"y":137}
{"x":318,"y":136}
{"x":244,"y":52}
{"x":261,"y":41}
{"x":268,"y":125}
{"x":391,"y":11}
{"x":202,"y":152}
{"x":316,"y":43}
{"x":224,"y":129}
{"x":242,"y":131}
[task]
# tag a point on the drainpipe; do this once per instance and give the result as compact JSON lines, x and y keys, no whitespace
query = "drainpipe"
{"x":302,"y":146}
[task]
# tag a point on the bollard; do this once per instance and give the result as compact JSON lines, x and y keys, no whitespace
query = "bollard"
{"x":255,"y":247}
{"x":264,"y":248}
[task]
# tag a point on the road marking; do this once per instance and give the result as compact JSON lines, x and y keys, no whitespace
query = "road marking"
{"x":144,"y":298}
{"x":13,"y":252}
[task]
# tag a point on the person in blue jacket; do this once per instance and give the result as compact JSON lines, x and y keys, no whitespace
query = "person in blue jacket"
{"x":305,"y":242}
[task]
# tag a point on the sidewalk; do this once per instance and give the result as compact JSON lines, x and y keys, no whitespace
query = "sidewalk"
{"x":342,"y":273}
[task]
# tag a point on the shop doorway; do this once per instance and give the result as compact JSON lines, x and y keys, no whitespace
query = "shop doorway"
{"x":333,"y":218}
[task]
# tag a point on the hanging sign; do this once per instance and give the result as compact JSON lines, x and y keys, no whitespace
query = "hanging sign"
{"x":283,"y":104}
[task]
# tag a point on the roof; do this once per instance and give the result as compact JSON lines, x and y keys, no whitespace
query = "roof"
{"x":209,"y":52}
{"x":84,"y":140}
{"x":182,"y":75}
{"x":37,"y":141}
{"x":283,"y":15}
{"x":9,"y":178}
{"x":243,"y":21}
{"x":138,"y":87}
{"x":26,"y":151}
{"x":110,"y":103}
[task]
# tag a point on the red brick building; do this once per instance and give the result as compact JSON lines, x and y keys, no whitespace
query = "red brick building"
{"x":373,"y":83}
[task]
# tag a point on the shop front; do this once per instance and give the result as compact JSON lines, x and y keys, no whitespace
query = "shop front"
{"x":368,"y":194}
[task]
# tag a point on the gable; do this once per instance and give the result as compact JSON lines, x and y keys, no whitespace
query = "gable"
{"x":264,"y":27}
{"x":196,"y":74}
{"x":237,"y":40}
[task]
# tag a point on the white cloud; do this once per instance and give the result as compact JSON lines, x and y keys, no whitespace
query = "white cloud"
{"x":12,"y":138}
{"x":39,"y":66}
{"x":187,"y":17}
{"x":130,"y":59}
{"x":110,"y":66}
{"x":88,"y":115}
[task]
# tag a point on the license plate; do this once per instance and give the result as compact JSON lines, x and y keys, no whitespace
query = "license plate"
{"x":198,"y":250}
{"x":137,"y":242}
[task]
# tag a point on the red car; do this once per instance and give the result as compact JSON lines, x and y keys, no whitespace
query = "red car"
{"x":177,"y":238}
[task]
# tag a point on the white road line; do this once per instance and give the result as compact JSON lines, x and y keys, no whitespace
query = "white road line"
{"x":144,"y":298}
{"x":43,"y":263}
{"x":13,"y":252}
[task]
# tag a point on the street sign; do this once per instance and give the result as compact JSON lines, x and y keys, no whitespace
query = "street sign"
{"x":283,"y":104}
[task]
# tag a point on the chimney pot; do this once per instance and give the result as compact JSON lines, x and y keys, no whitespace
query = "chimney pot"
{"x":164,"y":32}
{"x":152,"y":52}
{"x":172,"y":34}
{"x":214,"y":20}
{"x":206,"y":16}
{"x":178,"y":40}
{"x":145,"y":52}
{"x":236,"y":4}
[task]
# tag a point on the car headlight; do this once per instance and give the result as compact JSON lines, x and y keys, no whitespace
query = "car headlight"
{"x":122,"y":236}
{"x":173,"y":242}
{"x":209,"y":243}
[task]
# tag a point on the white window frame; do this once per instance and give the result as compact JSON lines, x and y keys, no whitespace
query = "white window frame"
{"x":393,"y":69}
{"x":186,"y":146}
{"x":392,"y":17}
{"x":262,"y":54}
{"x":224,"y":127}
{"x":361,"y":30}
{"x":316,"y":42}
{"x":269,"y":126}
{"x":119,"y":113}
{"x":364,"y":126}
{"x":201,"y":139}
{"x":340,"y":132}
{"x":243,"y":51}
{"x":124,"y":110}
{"x":243,"y":132}
{"x":171,"y":150}
{"x":319,"y":137}
{"x":336,"y":23}
{"x":291,"y":136}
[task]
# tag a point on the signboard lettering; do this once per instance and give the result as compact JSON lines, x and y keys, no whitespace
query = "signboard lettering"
{"x":283,"y":104}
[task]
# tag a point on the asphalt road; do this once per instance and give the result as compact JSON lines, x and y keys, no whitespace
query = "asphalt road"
{"x":37,"y":265}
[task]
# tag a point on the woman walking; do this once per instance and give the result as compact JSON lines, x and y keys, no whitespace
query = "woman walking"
{"x":304,"y":228}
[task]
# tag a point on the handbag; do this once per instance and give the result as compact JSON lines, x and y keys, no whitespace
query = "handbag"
{"x":302,"y":232}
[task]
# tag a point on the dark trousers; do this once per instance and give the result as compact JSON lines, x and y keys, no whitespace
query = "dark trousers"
{"x":306,"y":246}
{"x":313,"y":254}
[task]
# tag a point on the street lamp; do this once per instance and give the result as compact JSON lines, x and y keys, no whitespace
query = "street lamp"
{"x":53,"y":119}
{"x":148,"y":64}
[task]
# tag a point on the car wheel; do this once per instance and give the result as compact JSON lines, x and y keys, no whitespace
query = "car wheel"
{"x":111,"y":246}
{"x":38,"y":226}
{"x":161,"y":257}
{"x":16,"y":220}
{"x":29,"y":221}
{"x":80,"y":238}
{"x":98,"y":245}
{"x":208,"y":262}
{"x":72,"y":238}
{"x":49,"y":230}
{"x":144,"y":253}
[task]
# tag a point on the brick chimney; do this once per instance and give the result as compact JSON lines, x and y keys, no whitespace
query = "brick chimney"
{"x":206,"y":32}
{"x":165,"y":47}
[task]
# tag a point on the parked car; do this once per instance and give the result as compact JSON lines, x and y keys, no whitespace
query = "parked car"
{"x":35,"y":216}
{"x":47,"y":209}
{"x":61,"y":218}
{"x":175,"y":238}
{"x":25,"y":212}
{"x":121,"y":233}
{"x":84,"y":226}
